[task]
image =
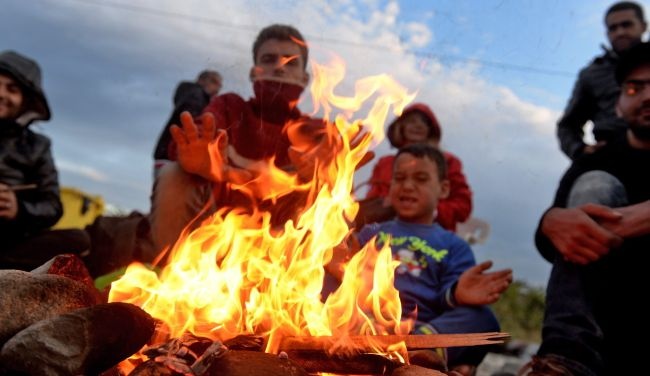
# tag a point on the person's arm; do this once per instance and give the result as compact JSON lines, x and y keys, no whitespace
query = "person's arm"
{"x":576,"y":233}
{"x":39,"y":208}
{"x":202,"y":150}
{"x":478,"y":287}
{"x":580,"y":108}
{"x":457,"y":206}
{"x":634,"y":221}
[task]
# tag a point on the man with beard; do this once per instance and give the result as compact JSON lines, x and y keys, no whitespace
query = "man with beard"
{"x":597,"y":234}
{"x":235,"y":135}
{"x":596,"y":91}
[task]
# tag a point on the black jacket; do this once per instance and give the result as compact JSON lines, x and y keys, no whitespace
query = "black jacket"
{"x":189,"y":96}
{"x":26,"y":157}
{"x":594,"y":98}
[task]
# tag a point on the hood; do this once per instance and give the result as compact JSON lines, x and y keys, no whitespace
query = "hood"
{"x":27,"y":72}
{"x":394,"y":132}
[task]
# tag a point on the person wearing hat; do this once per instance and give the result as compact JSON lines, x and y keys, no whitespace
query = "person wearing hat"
{"x":29,"y":188}
{"x":597,"y":235}
{"x":417,"y":124}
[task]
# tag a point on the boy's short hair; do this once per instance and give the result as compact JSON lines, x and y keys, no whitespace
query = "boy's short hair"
{"x":431,"y":152}
{"x":281,"y":32}
{"x":206,"y":74}
{"x":631,"y":59}
{"x":625,"y":5}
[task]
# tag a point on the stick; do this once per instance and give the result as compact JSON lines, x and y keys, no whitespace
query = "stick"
{"x":22,"y":187}
{"x":413,"y":342}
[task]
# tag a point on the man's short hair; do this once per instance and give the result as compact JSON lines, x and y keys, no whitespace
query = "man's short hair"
{"x":631,"y":59}
{"x":625,"y":5}
{"x":422,"y":150}
{"x":206,"y":74}
{"x":281,"y":32}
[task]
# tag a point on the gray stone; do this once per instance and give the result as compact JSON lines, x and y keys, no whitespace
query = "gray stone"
{"x":26,"y":298}
{"x":86,"y":341}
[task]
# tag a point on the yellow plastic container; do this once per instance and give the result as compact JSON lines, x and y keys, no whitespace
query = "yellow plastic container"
{"x":79,"y":208}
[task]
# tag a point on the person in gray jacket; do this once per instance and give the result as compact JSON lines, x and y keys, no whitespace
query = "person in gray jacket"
{"x":29,"y":187}
{"x":596,"y":91}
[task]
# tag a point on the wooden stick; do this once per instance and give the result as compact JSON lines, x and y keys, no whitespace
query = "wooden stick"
{"x":22,"y":187}
{"x":413,"y":342}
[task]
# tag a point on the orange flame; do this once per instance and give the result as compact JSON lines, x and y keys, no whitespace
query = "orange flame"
{"x":237,"y":274}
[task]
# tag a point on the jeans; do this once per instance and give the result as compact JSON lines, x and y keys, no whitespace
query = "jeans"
{"x":179,"y":200}
{"x":572,"y":330}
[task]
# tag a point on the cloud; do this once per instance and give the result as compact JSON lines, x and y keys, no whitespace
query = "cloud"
{"x":110,"y":71}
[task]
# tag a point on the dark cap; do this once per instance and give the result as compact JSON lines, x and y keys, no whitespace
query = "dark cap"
{"x":631,"y":59}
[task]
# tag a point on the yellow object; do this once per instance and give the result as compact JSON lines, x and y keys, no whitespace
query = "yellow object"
{"x":79,"y":208}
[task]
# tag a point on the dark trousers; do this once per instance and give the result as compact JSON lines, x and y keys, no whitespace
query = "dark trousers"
{"x":27,"y":253}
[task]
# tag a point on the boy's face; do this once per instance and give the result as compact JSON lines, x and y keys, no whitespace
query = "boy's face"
{"x":416,"y":188}
{"x":280,"y":60}
{"x":11,"y":97}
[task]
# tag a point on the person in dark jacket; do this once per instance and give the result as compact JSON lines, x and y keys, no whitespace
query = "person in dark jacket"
{"x":29,"y":187}
{"x":189,"y":96}
{"x":595,"y":92}
{"x":597,"y":235}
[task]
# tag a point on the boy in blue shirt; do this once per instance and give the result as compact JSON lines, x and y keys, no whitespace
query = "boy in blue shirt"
{"x":438,"y":274}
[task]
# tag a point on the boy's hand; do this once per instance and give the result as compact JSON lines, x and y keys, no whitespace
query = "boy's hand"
{"x":475,"y":287}
{"x":203,"y":150}
{"x":577,"y":234}
{"x":8,"y":202}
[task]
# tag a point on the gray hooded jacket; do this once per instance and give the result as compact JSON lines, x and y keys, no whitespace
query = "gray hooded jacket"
{"x":25,"y":156}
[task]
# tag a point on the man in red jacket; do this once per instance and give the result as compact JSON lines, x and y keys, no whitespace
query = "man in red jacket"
{"x":418,"y":124}
{"x":232,"y":138}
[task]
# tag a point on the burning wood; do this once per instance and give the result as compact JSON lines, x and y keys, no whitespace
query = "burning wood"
{"x":84,"y":341}
{"x":367,"y":343}
{"x":199,"y":356}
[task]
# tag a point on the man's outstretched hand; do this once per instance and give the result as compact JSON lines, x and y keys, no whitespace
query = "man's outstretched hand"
{"x":204,"y":150}
{"x":476,"y":287}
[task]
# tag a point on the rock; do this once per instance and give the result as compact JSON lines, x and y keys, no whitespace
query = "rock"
{"x":26,"y":298}
{"x":85,"y":341}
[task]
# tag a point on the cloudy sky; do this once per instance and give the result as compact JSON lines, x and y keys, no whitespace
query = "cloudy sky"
{"x":497,"y":73}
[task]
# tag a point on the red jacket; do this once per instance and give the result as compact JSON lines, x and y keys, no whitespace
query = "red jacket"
{"x":454,"y":209}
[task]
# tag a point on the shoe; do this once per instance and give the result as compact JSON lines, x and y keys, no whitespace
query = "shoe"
{"x":544,"y":366}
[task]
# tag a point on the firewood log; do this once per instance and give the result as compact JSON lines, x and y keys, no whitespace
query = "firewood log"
{"x":85,"y":341}
{"x":26,"y":298}
{"x":254,"y":363}
{"x":416,"y":371}
{"x":314,"y":361}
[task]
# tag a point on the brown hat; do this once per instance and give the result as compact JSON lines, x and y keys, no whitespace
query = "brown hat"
{"x":394,"y":132}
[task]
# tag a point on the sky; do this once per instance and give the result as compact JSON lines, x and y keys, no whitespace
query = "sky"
{"x":497,"y":74}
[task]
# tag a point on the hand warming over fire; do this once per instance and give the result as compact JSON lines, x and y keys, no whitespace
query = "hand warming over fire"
{"x":475,"y":287}
{"x":203,"y":150}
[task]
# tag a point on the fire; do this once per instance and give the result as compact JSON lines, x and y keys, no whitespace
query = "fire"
{"x":241,"y":273}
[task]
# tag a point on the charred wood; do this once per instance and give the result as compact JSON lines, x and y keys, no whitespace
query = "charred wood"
{"x":314,"y":361}
{"x":86,"y":341}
